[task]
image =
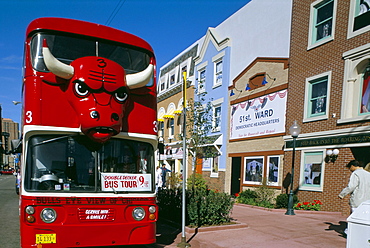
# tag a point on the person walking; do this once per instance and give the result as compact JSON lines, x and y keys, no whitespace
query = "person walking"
{"x":358,"y":186}
{"x":164,"y":174}
{"x":158,"y":179}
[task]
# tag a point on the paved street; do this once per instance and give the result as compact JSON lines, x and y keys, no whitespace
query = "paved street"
{"x":9,"y":213}
{"x":257,"y":227}
{"x":261,"y":228}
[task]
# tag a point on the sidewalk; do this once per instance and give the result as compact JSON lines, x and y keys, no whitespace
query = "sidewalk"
{"x":260,"y":228}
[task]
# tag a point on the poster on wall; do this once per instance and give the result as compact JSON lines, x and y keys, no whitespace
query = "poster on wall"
{"x":126,"y":182}
{"x":260,"y":116}
{"x":273,"y":169}
{"x":365,"y":100}
{"x":253,"y":169}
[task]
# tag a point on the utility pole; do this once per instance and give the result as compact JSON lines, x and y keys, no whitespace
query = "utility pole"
{"x":183,"y":243}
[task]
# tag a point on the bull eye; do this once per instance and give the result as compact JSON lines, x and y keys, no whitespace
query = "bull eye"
{"x":121,"y":95}
{"x":81,"y":88}
{"x":94,"y":114}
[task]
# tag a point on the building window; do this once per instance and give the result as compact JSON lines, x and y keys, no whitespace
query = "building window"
{"x":183,"y":70}
{"x":253,"y":170}
{"x":318,"y":91}
{"x":359,"y":17}
{"x":365,"y":94}
{"x":216,"y":119}
{"x":273,"y":170}
{"x":362,"y":13}
{"x":322,"y":22}
{"x":215,"y":162}
{"x":172,"y":80}
{"x":202,"y":81}
{"x":355,"y":85}
{"x":161,"y":128}
{"x":162,"y":84}
{"x":171,"y":128}
{"x":218,"y":73}
{"x":317,"y":97}
{"x":312,"y":171}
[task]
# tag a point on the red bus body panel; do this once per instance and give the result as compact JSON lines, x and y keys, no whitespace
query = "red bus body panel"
{"x":73,"y":230}
{"x":46,"y":105}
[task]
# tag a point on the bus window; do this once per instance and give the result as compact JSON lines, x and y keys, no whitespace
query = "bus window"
{"x":67,"y":48}
{"x":74,"y":163}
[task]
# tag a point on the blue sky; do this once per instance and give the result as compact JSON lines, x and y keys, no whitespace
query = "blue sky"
{"x":169,"y":26}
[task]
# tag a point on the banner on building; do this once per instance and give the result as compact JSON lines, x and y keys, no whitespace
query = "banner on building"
{"x":259,"y":116}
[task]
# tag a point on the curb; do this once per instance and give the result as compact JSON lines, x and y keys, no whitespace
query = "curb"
{"x":284,"y":210}
{"x":215,"y":228}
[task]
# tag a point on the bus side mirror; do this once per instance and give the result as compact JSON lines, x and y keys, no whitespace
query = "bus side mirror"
{"x":16,"y":146}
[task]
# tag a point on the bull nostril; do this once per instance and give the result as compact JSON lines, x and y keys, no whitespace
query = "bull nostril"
{"x":94,"y":114}
{"x":115,"y":117}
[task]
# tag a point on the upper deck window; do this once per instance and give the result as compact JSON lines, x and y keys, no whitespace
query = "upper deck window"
{"x":68,"y":48}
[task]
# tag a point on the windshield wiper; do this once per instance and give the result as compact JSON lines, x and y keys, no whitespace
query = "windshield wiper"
{"x":53,"y":139}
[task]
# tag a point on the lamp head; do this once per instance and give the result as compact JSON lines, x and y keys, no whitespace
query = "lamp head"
{"x":295,"y":130}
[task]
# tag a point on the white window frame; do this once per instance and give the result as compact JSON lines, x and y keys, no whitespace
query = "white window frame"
{"x":182,"y":65}
{"x":207,"y":164}
{"x":308,"y":89}
{"x":161,"y":128}
{"x":302,"y":183}
{"x":355,"y":62}
{"x":312,"y":29}
{"x":162,"y":83}
{"x":245,"y":169}
{"x":216,"y":119}
{"x":217,"y":104}
{"x":171,"y":128}
{"x":351,"y":21}
{"x":202,"y":82}
{"x":215,"y":164}
{"x":173,"y":74}
{"x":278,"y":170}
{"x":216,"y":60}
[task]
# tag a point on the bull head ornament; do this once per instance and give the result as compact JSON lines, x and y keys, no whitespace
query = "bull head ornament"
{"x":98,"y":90}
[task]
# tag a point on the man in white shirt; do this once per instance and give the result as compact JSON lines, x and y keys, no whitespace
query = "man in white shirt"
{"x":358,"y":186}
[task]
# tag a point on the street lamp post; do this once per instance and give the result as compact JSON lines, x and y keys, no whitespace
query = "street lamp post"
{"x":294,"y":130}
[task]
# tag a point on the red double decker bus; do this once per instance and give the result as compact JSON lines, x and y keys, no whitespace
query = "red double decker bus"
{"x":88,"y":136}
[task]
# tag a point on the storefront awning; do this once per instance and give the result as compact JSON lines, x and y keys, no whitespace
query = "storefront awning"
{"x":215,"y":141}
{"x":178,"y":111}
{"x":160,"y":116}
{"x":170,"y":114}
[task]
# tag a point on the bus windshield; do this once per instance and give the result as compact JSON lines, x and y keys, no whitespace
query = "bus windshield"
{"x":68,"y":48}
{"x":76,"y":164}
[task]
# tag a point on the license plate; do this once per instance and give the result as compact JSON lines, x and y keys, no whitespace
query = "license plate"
{"x":46,"y":238}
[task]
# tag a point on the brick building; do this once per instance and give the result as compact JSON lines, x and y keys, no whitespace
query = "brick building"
{"x":328,"y":96}
{"x":10,"y":131}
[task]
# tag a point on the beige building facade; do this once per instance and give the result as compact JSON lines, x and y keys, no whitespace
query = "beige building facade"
{"x":257,"y":125}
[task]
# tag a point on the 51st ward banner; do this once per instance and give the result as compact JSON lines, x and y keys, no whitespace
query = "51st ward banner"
{"x":259,"y":116}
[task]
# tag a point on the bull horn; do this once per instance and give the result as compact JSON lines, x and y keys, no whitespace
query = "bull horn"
{"x":55,"y":66}
{"x":139,"y":79}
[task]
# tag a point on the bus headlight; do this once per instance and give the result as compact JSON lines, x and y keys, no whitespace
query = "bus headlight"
{"x":30,"y":210}
{"x":48,"y":215}
{"x":138,"y":213}
{"x":152,"y":211}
